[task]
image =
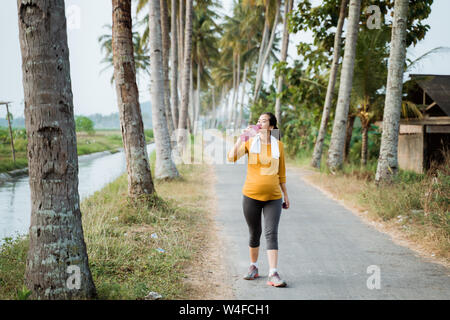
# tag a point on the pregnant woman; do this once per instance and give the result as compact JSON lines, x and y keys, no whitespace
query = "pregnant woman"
{"x":266,"y":179}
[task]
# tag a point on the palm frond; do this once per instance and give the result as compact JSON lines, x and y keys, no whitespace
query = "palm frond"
{"x":413,"y":63}
{"x":409,"y":107}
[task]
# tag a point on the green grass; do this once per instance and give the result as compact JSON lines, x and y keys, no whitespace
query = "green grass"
{"x":123,"y":256}
{"x":9,"y":165}
{"x":13,"y":254}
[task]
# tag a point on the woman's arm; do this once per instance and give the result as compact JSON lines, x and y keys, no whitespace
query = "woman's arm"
{"x":282,"y":175}
{"x":286,"y":197}
{"x":233,"y":152}
{"x":237,"y":150}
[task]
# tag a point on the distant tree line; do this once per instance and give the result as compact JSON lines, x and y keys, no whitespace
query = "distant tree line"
{"x":101,"y":121}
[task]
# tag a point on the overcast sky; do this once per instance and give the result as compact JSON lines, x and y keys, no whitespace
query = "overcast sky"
{"x":92,"y":90}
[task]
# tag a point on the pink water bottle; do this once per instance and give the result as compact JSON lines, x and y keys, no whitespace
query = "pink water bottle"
{"x":253,"y":131}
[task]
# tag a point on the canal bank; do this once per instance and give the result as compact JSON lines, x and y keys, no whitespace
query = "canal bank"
{"x":94,"y":172}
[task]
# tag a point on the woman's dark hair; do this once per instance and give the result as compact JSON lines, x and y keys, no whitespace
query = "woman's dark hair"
{"x":273,"y":122}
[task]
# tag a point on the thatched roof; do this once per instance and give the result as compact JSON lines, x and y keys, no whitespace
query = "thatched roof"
{"x":437,"y":88}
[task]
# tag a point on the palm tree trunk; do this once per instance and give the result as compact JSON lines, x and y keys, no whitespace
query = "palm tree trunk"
{"x":259,"y":75}
{"x":165,"y":56}
{"x":348,"y":135}
{"x":164,"y":165}
{"x":191,"y":99}
{"x":238,"y":81}
{"x":230,"y":111}
{"x":364,"y":140}
{"x":388,"y":162}
{"x":241,"y":104}
{"x":222,"y":106}
{"x":174,"y":65}
{"x":181,"y":31}
{"x":265,"y":38}
{"x":57,"y":250}
{"x":336,"y":150}
{"x":197,"y":100}
{"x":186,"y":74}
{"x":214,"y":108}
{"x":284,"y":49}
{"x":318,"y":147}
{"x":11,"y":138}
{"x":138,"y":167}
{"x":189,"y":127}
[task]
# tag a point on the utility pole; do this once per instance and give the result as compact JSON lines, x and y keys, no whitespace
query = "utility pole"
{"x":10,"y":130}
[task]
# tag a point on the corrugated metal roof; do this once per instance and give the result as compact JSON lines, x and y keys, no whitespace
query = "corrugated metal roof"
{"x":437,"y":87}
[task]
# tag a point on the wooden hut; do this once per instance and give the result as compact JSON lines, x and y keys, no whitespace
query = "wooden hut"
{"x":423,"y":139}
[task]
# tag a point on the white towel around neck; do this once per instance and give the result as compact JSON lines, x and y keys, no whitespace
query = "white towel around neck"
{"x":256,"y":146}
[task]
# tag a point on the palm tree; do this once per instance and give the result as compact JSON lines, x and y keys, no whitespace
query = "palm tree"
{"x":205,"y":34}
{"x":185,"y":80}
{"x":387,"y":162}
{"x":140,"y":50}
{"x":238,"y":47}
{"x":231,"y":44}
{"x":284,"y":49}
{"x":166,"y":44}
{"x":318,"y":147}
{"x":165,"y":58}
{"x":249,"y":27}
{"x":266,"y":51}
{"x":56,"y":233}
{"x":164,"y":165}
{"x":337,"y":144}
{"x":174,"y":64}
{"x":369,"y":77}
{"x":222,"y":78}
{"x":139,"y":175}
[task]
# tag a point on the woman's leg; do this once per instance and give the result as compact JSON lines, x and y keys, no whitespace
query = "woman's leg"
{"x":253,"y":254}
{"x":272,"y":213}
{"x":272,"y":256}
{"x":252,"y":212}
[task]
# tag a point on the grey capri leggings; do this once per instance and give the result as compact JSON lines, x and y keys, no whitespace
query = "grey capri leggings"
{"x":252,"y":212}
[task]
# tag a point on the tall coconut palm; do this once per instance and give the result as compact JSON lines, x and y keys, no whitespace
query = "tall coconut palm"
{"x":271,"y":14}
{"x":267,"y":50}
{"x":369,"y":77}
{"x":185,"y":80}
{"x":139,"y":175}
{"x":241,"y":103}
{"x":140,"y":50}
{"x":249,"y":27}
{"x":165,"y":57}
{"x":337,"y":144}
{"x":205,"y":34}
{"x":318,"y":147}
{"x":181,"y":33}
{"x":56,"y":235}
{"x":174,"y":64}
{"x":388,"y":162}
{"x":141,"y":6}
{"x":164,"y":166}
{"x":284,"y":49}
{"x":230,"y":45}
{"x":222,"y":78}
{"x":238,"y":47}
